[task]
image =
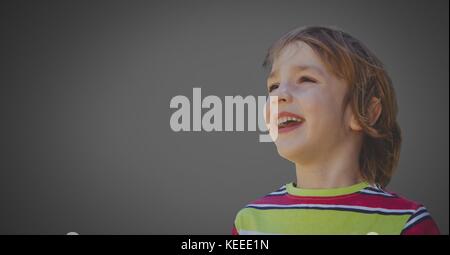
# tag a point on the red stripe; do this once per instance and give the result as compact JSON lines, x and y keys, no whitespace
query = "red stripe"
{"x":352,"y":200}
{"x":425,"y":227}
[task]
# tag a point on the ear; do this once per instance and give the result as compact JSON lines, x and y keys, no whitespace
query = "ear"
{"x":373,"y":112}
{"x":354,"y":124}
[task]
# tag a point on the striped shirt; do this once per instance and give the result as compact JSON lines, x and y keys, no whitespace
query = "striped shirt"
{"x":358,"y":209}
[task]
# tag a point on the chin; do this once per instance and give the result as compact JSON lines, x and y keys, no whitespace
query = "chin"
{"x":292,"y":153}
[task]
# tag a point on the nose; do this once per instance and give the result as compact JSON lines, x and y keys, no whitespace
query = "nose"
{"x":283,"y":93}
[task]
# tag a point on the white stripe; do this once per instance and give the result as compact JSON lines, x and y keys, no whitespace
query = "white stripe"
{"x":282,"y":188}
{"x":417,"y":213}
{"x":381,"y":192}
{"x":278,"y":192}
{"x":254,"y":232}
{"x":422,"y":208}
{"x":378,"y":189}
{"x":375,"y":192}
{"x":416,"y":219}
{"x":372,"y":209}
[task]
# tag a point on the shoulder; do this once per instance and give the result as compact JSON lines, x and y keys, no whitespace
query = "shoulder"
{"x":419,"y":221}
{"x":389,"y":199}
{"x":250,"y":216}
{"x":272,"y":198}
{"x":394,"y":198}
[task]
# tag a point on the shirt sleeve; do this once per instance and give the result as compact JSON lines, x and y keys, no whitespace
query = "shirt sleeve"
{"x":234,"y":231}
{"x":420,"y":223}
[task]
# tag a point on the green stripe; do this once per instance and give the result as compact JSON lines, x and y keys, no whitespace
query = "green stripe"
{"x":291,"y":189}
{"x":311,"y":221}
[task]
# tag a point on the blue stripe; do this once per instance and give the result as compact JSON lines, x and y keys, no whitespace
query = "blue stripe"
{"x":378,"y":195}
{"x":330,"y":209}
{"x":280,"y":189}
{"x":375,"y":190}
{"x":415,"y":223}
{"x":380,"y":191}
{"x":276,"y":195}
{"x":417,"y":214}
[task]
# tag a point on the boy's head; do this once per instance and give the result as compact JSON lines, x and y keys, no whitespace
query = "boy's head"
{"x":335,"y":95}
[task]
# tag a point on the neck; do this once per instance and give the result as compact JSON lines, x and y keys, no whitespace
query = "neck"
{"x":340,"y":170}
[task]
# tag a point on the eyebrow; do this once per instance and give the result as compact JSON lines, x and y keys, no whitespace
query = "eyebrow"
{"x":300,"y":68}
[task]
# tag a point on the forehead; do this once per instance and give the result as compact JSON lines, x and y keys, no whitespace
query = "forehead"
{"x":297,"y":55}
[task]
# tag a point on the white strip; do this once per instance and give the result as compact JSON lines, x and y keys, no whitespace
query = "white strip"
{"x":382,"y":192}
{"x":422,"y":208}
{"x":379,"y":189}
{"x":372,"y":209}
{"x":375,"y":192}
{"x":278,"y":192}
{"x":282,"y":188}
{"x":416,"y":219}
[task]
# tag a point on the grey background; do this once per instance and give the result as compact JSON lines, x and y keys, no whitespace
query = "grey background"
{"x":86,"y":144}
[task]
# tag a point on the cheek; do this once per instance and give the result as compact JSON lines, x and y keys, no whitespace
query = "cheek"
{"x":313,"y":104}
{"x":321,"y":111}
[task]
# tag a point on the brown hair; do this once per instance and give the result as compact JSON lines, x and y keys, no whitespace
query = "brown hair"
{"x":349,"y":59}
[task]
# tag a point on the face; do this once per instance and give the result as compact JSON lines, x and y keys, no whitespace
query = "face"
{"x":311,"y":120}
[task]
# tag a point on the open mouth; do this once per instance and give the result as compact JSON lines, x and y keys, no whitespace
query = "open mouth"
{"x":288,"y":121}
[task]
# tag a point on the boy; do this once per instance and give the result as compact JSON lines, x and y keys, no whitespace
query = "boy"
{"x":337,"y":123}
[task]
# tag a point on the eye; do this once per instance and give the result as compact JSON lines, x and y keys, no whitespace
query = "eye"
{"x":273,"y":86}
{"x":306,"y":79}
